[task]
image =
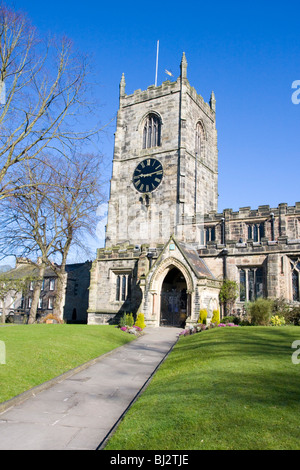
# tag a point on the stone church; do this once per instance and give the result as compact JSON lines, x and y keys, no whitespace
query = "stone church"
{"x":167,"y":248}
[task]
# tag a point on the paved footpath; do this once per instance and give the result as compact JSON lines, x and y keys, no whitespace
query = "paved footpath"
{"x":79,"y":411}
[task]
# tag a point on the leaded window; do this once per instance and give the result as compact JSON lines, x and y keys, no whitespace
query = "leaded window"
{"x":242,"y":285}
{"x":123,"y":287}
{"x":210,"y":234}
{"x":296,"y":281}
{"x":118,"y":283}
{"x":256,"y":232}
{"x":251,"y":284}
{"x":295,"y":284}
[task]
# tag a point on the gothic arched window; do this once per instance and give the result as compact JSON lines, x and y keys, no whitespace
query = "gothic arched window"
{"x":151,"y":131}
{"x":199,"y":139}
{"x":296,"y":281}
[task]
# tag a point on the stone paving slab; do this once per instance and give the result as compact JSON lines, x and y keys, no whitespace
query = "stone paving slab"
{"x":79,"y":412}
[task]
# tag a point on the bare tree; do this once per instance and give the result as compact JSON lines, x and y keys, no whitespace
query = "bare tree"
{"x":42,"y":96}
{"x":56,"y":210}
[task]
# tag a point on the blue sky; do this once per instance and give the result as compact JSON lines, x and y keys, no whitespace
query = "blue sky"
{"x":248,"y":53}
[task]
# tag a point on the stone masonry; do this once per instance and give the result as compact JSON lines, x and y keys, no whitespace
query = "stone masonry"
{"x":168,"y":249}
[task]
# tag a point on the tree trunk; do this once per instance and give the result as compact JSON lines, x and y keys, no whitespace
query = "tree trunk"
{"x":36,"y":294}
{"x":3,"y":310}
{"x":60,"y":296}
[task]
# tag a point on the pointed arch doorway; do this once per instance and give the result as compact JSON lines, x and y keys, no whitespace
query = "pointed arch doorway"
{"x":174,"y":299}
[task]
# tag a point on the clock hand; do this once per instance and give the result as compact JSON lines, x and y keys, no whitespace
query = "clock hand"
{"x":153,"y":173}
{"x":148,"y":174}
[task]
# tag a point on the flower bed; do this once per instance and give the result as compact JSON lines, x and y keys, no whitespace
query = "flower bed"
{"x":190,"y":330}
{"x":133,"y":330}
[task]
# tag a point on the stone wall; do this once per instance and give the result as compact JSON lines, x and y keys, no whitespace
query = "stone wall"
{"x":190,"y":181}
{"x":273,"y":252}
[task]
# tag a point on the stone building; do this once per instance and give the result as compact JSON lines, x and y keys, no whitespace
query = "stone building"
{"x":74,"y":301}
{"x":167,"y":247}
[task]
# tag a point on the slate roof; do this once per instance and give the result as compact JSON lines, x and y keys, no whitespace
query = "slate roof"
{"x":196,"y":263}
{"x":25,"y":270}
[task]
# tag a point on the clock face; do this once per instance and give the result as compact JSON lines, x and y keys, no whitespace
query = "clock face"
{"x":147,"y":175}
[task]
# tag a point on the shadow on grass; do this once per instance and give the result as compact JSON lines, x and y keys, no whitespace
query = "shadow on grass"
{"x":233,"y":389}
{"x":253,"y":342}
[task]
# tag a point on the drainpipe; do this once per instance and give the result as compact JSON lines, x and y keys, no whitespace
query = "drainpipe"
{"x":272,"y":226}
{"x":224,"y":253}
{"x":223,"y":231}
{"x":150,"y":257}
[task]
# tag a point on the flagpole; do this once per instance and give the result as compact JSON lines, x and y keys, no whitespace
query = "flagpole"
{"x":157,"y":49}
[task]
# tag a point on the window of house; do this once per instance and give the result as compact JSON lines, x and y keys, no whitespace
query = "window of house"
{"x":123,"y":287}
{"x":256,"y":232}
{"x":29,"y":302}
{"x":31,"y":285}
{"x":52,"y":284}
{"x":251,"y":284}
{"x":40,"y":304}
{"x":50,"y":303}
{"x":151,"y":131}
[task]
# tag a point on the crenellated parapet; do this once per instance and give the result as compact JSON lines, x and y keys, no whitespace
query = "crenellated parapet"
{"x":264,"y":225}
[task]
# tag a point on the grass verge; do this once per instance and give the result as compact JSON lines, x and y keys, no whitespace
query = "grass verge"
{"x":37,"y":353}
{"x":221,"y":389}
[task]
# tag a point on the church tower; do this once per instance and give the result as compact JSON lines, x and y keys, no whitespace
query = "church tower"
{"x":167,"y":249}
{"x":165,"y":165}
{"x":164,"y":179}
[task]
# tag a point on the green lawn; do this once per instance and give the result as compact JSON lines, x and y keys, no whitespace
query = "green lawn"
{"x":226,"y":388}
{"x":37,"y":353}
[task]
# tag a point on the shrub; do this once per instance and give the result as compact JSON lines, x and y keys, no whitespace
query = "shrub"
{"x":140,"y":321}
{"x":231,"y":319}
{"x":277,"y":321}
{"x":129,"y":319}
{"x":228,"y":294}
{"x":293,"y":316}
{"x":202,"y":316}
{"x":216,"y":317}
{"x":122,"y":321}
{"x":51,"y":317}
{"x":260,"y":311}
{"x":281,"y":308}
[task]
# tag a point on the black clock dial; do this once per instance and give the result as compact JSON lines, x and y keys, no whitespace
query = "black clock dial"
{"x":147,"y":175}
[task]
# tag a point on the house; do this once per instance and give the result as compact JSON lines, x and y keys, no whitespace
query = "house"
{"x":75,"y":298}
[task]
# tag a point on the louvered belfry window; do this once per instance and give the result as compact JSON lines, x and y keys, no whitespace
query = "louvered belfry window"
{"x":151,"y":132}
